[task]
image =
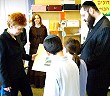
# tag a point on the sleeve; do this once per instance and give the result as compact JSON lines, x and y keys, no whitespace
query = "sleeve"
{"x":51,"y":83}
{"x":46,"y":32}
{"x":30,"y":35}
{"x":23,"y":37}
{"x":3,"y":66}
{"x":101,"y":50}
{"x":27,"y":57}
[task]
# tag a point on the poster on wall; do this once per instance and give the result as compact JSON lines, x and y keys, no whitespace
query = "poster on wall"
{"x":104,"y":6}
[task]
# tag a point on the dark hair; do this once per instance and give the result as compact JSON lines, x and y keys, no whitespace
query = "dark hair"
{"x":87,"y":4}
{"x":33,"y":18}
{"x":73,"y":47}
{"x":53,"y":44}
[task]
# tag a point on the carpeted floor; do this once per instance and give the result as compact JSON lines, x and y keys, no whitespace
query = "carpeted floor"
{"x":36,"y":92}
{"x":39,"y":92}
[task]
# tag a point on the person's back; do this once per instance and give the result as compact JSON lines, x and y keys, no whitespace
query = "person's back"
{"x":72,"y":51}
{"x":63,"y":75}
{"x":66,"y":75}
{"x":12,"y":74}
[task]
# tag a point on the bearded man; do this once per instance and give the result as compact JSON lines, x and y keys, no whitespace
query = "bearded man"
{"x":95,"y":51}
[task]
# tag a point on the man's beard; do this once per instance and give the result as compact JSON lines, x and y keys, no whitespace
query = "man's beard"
{"x":90,"y":21}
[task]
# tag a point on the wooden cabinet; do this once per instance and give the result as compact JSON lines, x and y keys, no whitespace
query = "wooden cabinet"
{"x":55,"y":17}
{"x":76,"y":36}
{"x":72,"y":31}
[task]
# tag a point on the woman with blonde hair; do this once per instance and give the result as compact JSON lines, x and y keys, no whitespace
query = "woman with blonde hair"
{"x":12,"y":74}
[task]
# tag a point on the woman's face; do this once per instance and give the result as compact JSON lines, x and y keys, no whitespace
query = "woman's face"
{"x":16,"y":30}
{"x":37,"y":19}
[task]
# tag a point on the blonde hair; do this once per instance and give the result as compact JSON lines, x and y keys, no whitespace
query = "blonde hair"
{"x":16,"y":18}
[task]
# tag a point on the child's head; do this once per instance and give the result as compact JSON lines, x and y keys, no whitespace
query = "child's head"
{"x":72,"y":46}
{"x":53,"y":44}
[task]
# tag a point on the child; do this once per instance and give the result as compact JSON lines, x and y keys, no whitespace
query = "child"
{"x":62,"y":77}
{"x":73,"y":48}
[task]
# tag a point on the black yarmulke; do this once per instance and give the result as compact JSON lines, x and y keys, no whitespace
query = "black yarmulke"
{"x":89,"y":3}
{"x":50,"y":36}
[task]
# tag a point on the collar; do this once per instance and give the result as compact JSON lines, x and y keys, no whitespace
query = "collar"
{"x":97,"y":19}
{"x":11,"y":35}
{"x":37,"y":26}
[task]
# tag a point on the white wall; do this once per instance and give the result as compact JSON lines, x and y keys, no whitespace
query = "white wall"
{"x":10,"y":6}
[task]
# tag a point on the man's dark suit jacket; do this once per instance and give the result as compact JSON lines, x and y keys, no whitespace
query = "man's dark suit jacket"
{"x":11,"y":63}
{"x":96,"y":53}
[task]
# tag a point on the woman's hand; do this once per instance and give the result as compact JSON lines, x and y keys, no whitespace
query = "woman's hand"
{"x":8,"y":89}
{"x":34,"y":56}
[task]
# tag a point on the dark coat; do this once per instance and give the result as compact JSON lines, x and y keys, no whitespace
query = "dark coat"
{"x":96,"y":53}
{"x":11,"y":63}
{"x":36,"y":37}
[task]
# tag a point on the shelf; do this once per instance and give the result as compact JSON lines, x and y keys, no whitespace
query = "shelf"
{"x":55,"y":30}
{"x":55,"y":17}
{"x":72,"y":27}
{"x":77,"y":33}
{"x":77,"y":37}
{"x":58,"y":11}
{"x":47,"y":11}
{"x":70,"y":10}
